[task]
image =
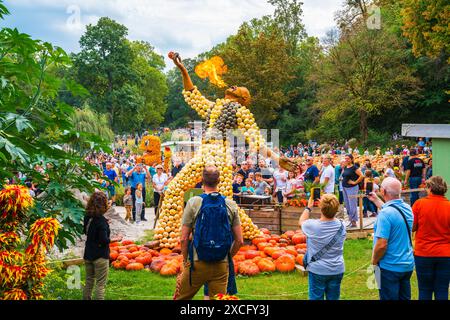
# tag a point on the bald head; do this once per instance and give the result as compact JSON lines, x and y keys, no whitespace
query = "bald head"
{"x":392,"y":187}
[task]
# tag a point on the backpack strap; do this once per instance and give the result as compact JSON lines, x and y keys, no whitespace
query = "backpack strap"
{"x":327,"y":247}
{"x":406,"y":222}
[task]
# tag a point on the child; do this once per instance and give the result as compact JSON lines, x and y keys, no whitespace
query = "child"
{"x":289,"y":193}
{"x":367,"y":204}
{"x":248,"y":189}
{"x":128,"y":203}
{"x":236,"y":187}
{"x":139,"y":202}
{"x":260,"y":184}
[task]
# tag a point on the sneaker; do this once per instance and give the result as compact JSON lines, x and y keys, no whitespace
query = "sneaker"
{"x":143,"y":219}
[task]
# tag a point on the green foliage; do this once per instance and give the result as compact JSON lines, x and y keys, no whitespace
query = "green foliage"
{"x":149,"y":67}
{"x":425,"y":24}
{"x":87,"y":120}
{"x":124,"y":77}
{"x":37,"y":136}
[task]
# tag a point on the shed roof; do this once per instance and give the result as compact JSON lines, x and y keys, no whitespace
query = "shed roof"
{"x":426,"y":130}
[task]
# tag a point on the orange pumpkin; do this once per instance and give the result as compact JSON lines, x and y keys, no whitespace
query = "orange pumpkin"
{"x":121,"y":257}
{"x":154,"y":253}
{"x":250,"y":254}
{"x":278,"y":253}
{"x":239,"y":257}
{"x":165,"y":251}
{"x":291,"y":251}
{"x":299,"y":259}
{"x":145,"y":259}
{"x":270,"y":250}
{"x":275,"y":237}
{"x":256,"y":259}
{"x":289,"y":233}
{"x":116,"y":265}
{"x":285,"y":263}
{"x":246,"y":248}
{"x":133,"y":249}
{"x":157,"y":264}
{"x":248,"y":268}
{"x":135,"y":266}
{"x":127,"y":242}
{"x":263,"y":245}
{"x":257,"y":240}
{"x":170,"y":269}
{"x":265,"y":230}
{"x":114,"y":244}
{"x":298,"y":238}
{"x":266,"y":265}
{"x":113,"y":255}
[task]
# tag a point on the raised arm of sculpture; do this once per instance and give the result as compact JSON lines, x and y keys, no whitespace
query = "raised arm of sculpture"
{"x":192,"y":95}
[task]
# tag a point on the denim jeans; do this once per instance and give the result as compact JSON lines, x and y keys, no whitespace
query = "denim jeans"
{"x":324,"y":286}
{"x":395,"y":285}
{"x":368,"y":206}
{"x":414,"y":183}
{"x":280,"y":196}
{"x":433,"y":276}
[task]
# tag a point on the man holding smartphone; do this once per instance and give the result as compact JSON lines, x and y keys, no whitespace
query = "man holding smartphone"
{"x":393,"y":253}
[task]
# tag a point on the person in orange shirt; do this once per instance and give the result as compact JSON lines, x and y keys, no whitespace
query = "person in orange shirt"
{"x":432,"y":241}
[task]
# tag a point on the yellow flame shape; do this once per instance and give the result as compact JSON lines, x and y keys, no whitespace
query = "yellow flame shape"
{"x":213,"y":69}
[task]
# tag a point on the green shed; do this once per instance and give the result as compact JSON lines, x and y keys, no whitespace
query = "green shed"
{"x":440,"y":133}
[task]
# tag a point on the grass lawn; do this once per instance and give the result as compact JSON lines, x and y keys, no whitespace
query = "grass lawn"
{"x":142,"y":285}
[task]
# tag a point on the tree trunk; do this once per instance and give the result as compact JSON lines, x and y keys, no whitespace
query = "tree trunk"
{"x":363,"y":125}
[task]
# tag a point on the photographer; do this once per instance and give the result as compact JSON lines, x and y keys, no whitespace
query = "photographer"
{"x":325,"y":242}
{"x":393,"y":253}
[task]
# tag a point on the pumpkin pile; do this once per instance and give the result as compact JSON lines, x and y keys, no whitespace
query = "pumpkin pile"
{"x":297,"y":203}
{"x":129,"y":256}
{"x":270,"y":252}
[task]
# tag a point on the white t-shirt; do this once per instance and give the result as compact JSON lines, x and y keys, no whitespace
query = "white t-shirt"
{"x":328,"y":172}
{"x":390,"y":173}
{"x":160,"y":180}
{"x":278,"y":176}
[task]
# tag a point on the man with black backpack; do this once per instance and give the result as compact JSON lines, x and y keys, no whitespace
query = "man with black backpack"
{"x":216,"y":232}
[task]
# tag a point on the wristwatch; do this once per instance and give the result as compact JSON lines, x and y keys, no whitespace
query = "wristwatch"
{"x":308,"y":208}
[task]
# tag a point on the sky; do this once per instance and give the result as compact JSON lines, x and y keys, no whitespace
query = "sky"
{"x":189,"y":27}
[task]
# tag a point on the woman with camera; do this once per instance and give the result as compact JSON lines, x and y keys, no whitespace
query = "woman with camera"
{"x":324,"y":258}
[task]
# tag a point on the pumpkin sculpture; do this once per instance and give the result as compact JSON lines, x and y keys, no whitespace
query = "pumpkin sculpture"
{"x":224,"y":114}
{"x":151,"y":145}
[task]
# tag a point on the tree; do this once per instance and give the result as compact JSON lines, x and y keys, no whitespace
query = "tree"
{"x":104,"y":66}
{"x":87,"y":120}
{"x":367,"y":73}
{"x":153,"y":85}
{"x":257,"y":58}
{"x":37,"y":136}
{"x":288,"y":16}
{"x":425,"y":24}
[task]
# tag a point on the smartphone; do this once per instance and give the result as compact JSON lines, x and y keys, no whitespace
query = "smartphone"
{"x":369,"y":187}
{"x":316,"y":193}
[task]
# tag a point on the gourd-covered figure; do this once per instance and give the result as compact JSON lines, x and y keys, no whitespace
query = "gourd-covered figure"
{"x":220,"y":116}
